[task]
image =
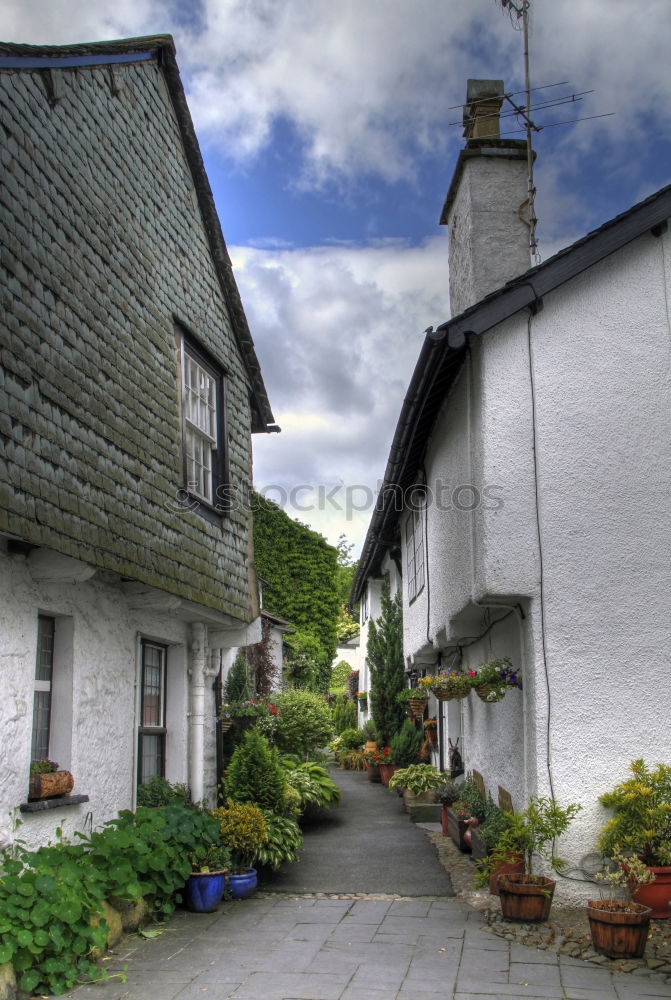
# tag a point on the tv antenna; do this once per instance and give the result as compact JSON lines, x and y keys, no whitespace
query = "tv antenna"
{"x":519,"y":18}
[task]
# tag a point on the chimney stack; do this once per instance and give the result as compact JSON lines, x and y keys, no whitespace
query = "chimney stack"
{"x":486,"y":205}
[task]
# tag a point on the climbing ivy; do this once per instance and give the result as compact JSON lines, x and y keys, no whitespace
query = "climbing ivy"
{"x":300,"y":568}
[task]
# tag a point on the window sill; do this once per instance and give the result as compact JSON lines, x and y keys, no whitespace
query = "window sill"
{"x":63,"y":800}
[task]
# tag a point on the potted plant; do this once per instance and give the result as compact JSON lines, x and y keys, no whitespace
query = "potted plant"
{"x":447,"y":794}
{"x":618,"y":925}
{"x":384,"y":763}
{"x":447,"y":686}
{"x":641,"y":826}
{"x":491,"y":680}
{"x":490,"y":865}
{"x":464,"y":813}
{"x":362,"y":698}
{"x":528,"y":896}
{"x":243,"y":830}
{"x":47,"y":781}
{"x":419,"y":783}
{"x":205,"y":886}
{"x":414,"y":700}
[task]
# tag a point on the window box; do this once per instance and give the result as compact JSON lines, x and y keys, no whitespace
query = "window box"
{"x":50,"y":785}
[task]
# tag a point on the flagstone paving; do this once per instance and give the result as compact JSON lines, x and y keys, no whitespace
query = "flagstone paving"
{"x":334,"y":945}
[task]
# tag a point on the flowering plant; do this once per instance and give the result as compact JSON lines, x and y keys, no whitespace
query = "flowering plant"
{"x":499,"y":675}
{"x":453,"y":684}
{"x":379,"y":756}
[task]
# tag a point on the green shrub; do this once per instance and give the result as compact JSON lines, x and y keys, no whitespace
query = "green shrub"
{"x":159,"y":792}
{"x":470,"y":797}
{"x":351,"y":739}
{"x":641,"y":823}
{"x":405,"y":744}
{"x":417,"y":778}
{"x":304,"y":723}
{"x":255,"y":775}
{"x":344,"y":714}
{"x":242,"y":828}
{"x":283,"y":841}
{"x":312,"y":783}
{"x":237,"y":687}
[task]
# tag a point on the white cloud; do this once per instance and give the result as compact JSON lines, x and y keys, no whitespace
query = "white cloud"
{"x":338,"y":331}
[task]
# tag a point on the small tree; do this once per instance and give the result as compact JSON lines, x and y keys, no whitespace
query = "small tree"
{"x":385,"y":658}
{"x":255,"y":773}
{"x":405,"y":744}
{"x":344,"y":714}
{"x":339,"y":675}
{"x":304,"y":722}
{"x":237,"y":686}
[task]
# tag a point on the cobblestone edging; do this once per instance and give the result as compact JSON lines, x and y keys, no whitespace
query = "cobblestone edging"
{"x":567,"y":931}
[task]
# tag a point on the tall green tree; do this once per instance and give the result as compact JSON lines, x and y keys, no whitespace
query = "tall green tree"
{"x":385,"y":660}
{"x":300,"y":569}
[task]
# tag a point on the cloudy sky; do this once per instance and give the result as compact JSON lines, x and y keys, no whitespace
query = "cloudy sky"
{"x":326,"y":127}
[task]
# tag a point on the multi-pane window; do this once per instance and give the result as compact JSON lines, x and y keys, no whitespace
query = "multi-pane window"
{"x":151,"y":745}
{"x":202,"y":406}
{"x":365,"y":612}
{"x":414,"y":547}
{"x":44,"y":668}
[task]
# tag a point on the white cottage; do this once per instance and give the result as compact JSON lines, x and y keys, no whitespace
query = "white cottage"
{"x":537,"y":428}
{"x":129,"y":388}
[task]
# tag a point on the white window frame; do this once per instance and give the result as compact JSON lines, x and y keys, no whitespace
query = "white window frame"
{"x":153,"y":729}
{"x":203,"y":394}
{"x":414,"y":552}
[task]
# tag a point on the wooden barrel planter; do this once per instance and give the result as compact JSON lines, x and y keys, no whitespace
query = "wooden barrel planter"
{"x":508,"y":868}
{"x":618,"y":929}
{"x":50,"y":785}
{"x":528,"y":901}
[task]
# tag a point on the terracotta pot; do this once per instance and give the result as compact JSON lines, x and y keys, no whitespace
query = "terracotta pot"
{"x":524,"y":900}
{"x":386,"y":771}
{"x":51,"y":785}
{"x":621,"y":932}
{"x":657,"y":895}
{"x":373,"y":772}
{"x":509,"y":868}
{"x":456,"y":829}
{"x":370,"y":745}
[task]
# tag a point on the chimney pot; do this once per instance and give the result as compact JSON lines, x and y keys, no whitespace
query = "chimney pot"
{"x":481,"y":111}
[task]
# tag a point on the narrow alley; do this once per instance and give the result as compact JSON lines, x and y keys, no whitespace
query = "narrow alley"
{"x":368,"y":913}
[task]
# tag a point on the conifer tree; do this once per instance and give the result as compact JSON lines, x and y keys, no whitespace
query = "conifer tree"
{"x":237,"y":687}
{"x":385,"y":659}
{"x":255,"y":773}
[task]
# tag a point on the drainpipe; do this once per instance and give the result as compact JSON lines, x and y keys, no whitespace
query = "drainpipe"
{"x":198,"y":666}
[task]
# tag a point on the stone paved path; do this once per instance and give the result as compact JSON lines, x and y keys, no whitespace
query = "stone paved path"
{"x":286,"y":946}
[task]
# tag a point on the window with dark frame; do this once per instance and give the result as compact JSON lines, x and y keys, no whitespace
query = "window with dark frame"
{"x":414,"y":538}
{"x":44,"y":669}
{"x":152,"y":731}
{"x":203,"y":426}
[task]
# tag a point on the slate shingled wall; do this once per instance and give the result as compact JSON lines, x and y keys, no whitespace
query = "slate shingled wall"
{"x":103,"y":247}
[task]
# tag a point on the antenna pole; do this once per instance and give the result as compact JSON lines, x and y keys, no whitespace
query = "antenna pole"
{"x":521,"y":8}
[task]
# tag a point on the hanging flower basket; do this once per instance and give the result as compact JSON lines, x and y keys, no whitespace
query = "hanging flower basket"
{"x":226,"y":725}
{"x":489,"y":693}
{"x":452,"y":687}
{"x":416,"y":707}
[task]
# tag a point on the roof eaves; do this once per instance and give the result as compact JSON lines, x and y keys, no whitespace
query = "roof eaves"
{"x":524,"y":292}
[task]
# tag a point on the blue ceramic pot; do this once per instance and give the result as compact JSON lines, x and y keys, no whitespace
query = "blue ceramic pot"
{"x":243,"y":885}
{"x":204,"y":891}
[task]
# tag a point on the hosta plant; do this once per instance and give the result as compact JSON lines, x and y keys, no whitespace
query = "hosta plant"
{"x":283,"y":840}
{"x":417,"y":778}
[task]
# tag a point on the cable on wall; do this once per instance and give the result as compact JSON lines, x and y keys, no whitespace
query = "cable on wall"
{"x":532,"y":385}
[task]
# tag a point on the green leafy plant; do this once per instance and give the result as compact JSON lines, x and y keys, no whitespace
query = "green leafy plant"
{"x":242,"y":828}
{"x":160,"y":792}
{"x":532,"y":834}
{"x":641,"y":824}
{"x":417,"y":778}
{"x":408,"y":694}
{"x":387,"y":671}
{"x":494,"y":825}
{"x":470,"y":802}
{"x":339,"y":675}
{"x":42,"y":767}
{"x":304,"y":723}
{"x":211,"y":858}
{"x":282,"y":842}
{"x":344,"y":714}
{"x":351,"y":739}
{"x":452,"y":684}
{"x":621,"y":879}
{"x":255,"y":774}
{"x":312,"y":784}
{"x":448,"y":792}
{"x":405,"y":744}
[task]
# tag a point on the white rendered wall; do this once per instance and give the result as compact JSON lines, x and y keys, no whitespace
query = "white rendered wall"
{"x":102,"y":738}
{"x":601,"y":355}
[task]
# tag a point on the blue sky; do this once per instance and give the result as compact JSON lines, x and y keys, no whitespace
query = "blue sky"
{"x":325,"y":131}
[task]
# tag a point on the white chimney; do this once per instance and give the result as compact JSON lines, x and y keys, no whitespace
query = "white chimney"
{"x":486,"y":205}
